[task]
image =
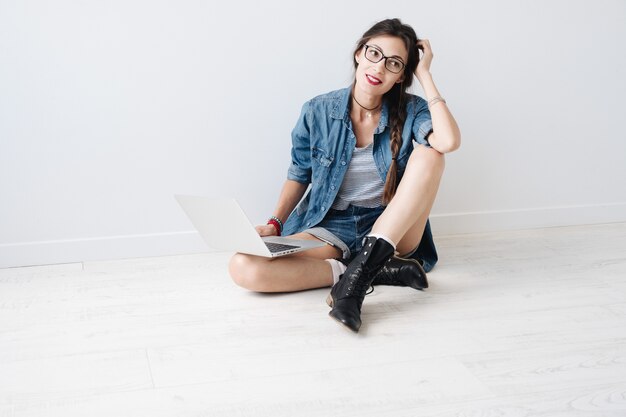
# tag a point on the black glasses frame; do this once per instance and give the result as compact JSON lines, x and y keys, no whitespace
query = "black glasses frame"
{"x":385,"y":58}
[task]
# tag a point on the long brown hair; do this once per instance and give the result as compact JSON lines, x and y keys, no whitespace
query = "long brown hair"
{"x":396,"y":98}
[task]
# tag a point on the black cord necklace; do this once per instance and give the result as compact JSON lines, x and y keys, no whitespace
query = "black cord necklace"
{"x":369,"y":111}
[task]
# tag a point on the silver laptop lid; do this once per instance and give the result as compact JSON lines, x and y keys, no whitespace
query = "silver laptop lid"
{"x":222,"y":224}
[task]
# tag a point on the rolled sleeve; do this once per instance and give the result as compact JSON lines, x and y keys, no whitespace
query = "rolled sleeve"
{"x":422,"y":124}
{"x":300,"y":168}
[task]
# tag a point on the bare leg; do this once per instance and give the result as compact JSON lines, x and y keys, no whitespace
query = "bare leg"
{"x":299,"y":271}
{"x":404,"y":219}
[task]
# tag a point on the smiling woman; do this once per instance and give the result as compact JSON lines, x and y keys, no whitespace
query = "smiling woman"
{"x":372,"y":188}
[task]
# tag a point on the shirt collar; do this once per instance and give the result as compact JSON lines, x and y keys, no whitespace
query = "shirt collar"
{"x":340,"y":111}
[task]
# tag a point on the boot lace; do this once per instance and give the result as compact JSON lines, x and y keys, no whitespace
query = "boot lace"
{"x":361,"y":288}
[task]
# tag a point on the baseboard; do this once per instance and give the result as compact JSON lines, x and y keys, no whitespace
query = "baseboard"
{"x":501,"y":220}
{"x":160,"y":244}
{"x":97,"y":249}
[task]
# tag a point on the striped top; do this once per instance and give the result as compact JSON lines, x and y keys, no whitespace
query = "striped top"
{"x":361,"y":186}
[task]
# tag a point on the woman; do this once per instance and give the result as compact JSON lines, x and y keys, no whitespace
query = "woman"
{"x":371,"y":189}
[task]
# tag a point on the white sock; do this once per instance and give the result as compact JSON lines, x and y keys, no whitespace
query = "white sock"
{"x":338,"y":269}
{"x":383,"y":237}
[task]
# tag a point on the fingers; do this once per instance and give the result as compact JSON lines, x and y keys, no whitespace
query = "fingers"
{"x":266,"y":230}
{"x":423,"y":61}
{"x":424,"y":45}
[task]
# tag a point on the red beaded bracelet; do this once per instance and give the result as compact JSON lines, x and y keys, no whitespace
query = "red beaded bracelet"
{"x":276,"y":225}
{"x":279,"y":222}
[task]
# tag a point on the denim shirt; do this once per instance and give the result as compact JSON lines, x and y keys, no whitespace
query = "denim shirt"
{"x":322,"y":144}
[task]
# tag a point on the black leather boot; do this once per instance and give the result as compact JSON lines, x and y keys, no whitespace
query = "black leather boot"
{"x":346,"y":296}
{"x":402,"y":272}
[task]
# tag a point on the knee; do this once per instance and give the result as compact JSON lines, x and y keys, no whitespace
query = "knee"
{"x":428,"y":159}
{"x":247,"y":271}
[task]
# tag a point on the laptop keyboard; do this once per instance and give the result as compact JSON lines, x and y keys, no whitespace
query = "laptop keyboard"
{"x":278,"y":247}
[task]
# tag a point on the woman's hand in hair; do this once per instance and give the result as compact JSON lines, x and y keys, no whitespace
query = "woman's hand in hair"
{"x":423,"y":66}
{"x":266,"y":230}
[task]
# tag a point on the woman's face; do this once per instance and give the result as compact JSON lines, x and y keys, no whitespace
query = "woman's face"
{"x":376,"y":78}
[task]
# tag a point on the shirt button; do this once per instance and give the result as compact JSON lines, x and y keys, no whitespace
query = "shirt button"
{"x":332,"y":187}
{"x":323,"y":208}
{"x":343,"y":162}
{"x":308,"y":224}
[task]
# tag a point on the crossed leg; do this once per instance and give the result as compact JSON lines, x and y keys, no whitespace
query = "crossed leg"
{"x":403,"y":221}
{"x":294,"y":272}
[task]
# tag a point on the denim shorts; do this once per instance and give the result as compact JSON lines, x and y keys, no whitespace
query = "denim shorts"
{"x":346,"y":229}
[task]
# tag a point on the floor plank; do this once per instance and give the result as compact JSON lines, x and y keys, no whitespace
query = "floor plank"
{"x":519,"y":323}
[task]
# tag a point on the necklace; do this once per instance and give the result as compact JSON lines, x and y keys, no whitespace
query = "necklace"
{"x":368,"y":113}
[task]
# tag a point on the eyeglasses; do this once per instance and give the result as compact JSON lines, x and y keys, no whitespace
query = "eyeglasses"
{"x":373,"y":54}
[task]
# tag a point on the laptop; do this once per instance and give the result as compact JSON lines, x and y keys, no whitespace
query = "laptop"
{"x":224,"y":226}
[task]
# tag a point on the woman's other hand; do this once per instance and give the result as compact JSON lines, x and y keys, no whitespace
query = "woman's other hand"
{"x":423,"y":66}
{"x":266,"y":230}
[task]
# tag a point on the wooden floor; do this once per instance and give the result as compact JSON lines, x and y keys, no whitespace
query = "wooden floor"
{"x":515,"y":324}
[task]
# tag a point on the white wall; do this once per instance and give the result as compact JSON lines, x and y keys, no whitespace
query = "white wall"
{"x":107,"y":109}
